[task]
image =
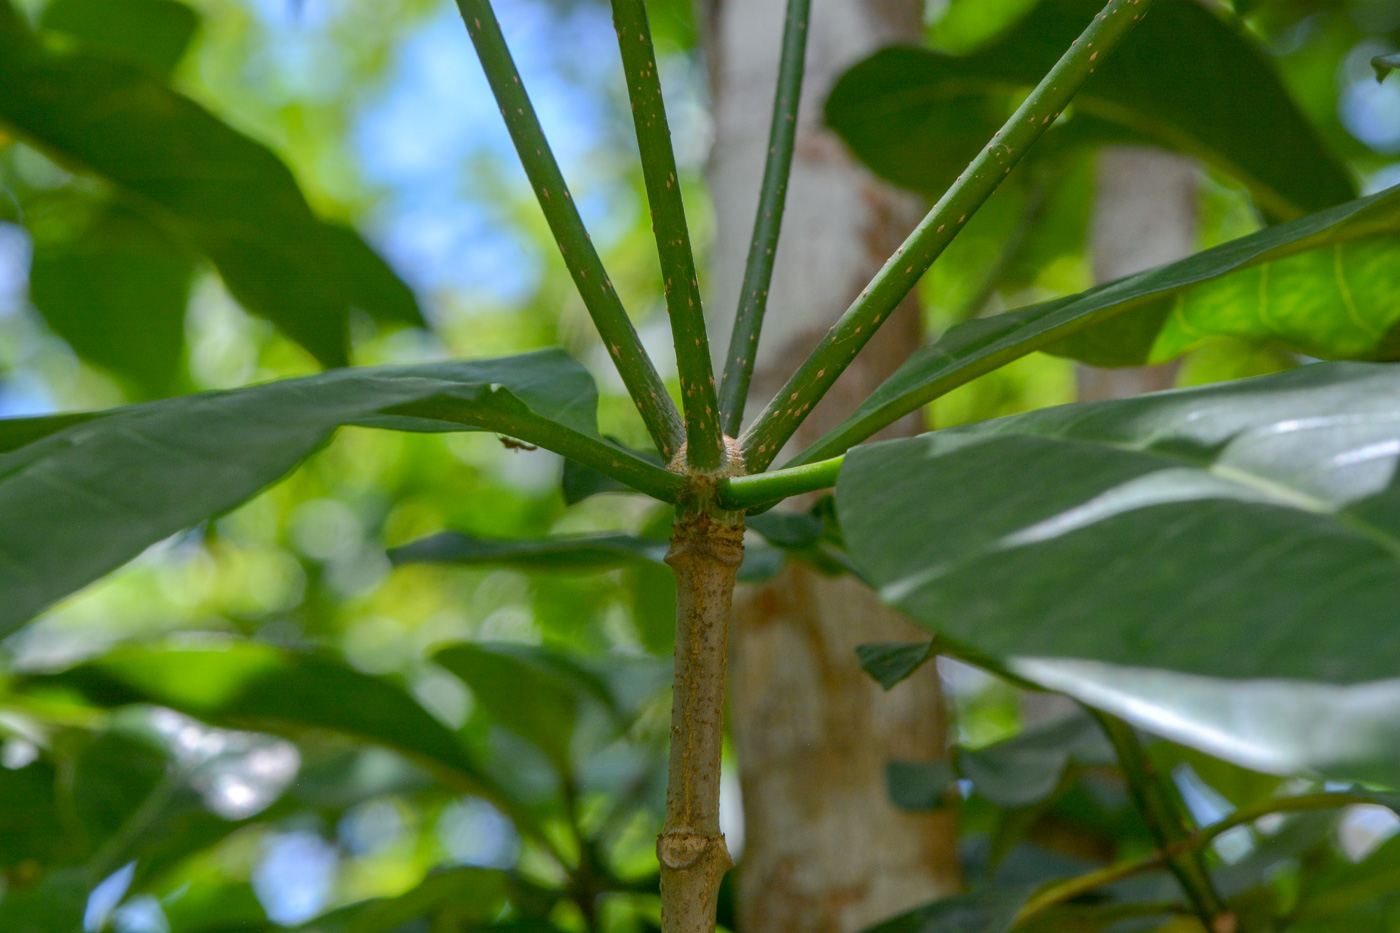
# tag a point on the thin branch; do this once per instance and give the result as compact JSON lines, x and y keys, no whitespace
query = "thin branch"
{"x":839,"y":347}
{"x":1068,"y":890}
{"x":599,"y":297}
{"x":704,"y":445}
{"x":768,"y":221}
{"x":744,"y":492}
{"x":1163,"y":811}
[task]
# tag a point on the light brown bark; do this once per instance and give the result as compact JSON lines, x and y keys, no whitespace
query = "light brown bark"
{"x":825,"y":850}
{"x":704,"y":555}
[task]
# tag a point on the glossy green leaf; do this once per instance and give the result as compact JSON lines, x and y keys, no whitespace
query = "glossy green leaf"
{"x":227,"y":193}
{"x":82,"y":501}
{"x":241,"y":684}
{"x":153,"y":34}
{"x":116,"y":291}
{"x":572,"y":552}
{"x":918,"y":117}
{"x":1321,"y":285}
{"x":891,"y":662}
{"x":1244,"y":537}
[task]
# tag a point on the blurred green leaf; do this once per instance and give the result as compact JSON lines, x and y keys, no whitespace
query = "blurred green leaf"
{"x":984,"y":912}
{"x":1385,"y":64}
{"x":1029,"y":767}
{"x":229,"y":194}
{"x":116,"y":291}
{"x":455,"y":899}
{"x":1203,"y":532}
{"x":919,"y":786}
{"x":1321,"y":285}
{"x":152,"y":34}
{"x":54,"y":905}
{"x":242,"y":684}
{"x":918,"y":117}
{"x":891,"y":662}
{"x":572,"y":552}
{"x":84,"y":500}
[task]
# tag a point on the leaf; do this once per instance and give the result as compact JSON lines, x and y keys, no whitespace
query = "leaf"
{"x":1028,"y":767}
{"x":918,"y":117}
{"x":152,"y":34}
{"x":227,"y":193}
{"x":241,"y":684}
{"x":891,"y":662}
{"x":83,"y":500}
{"x":919,"y":786}
{"x":54,"y":905}
{"x":459,"y":895}
{"x":571,"y":552}
{"x":116,"y":291}
{"x":533,"y":692}
{"x":1385,"y":64}
{"x":1242,"y":539}
{"x":1164,"y":312}
{"x":983,"y":912}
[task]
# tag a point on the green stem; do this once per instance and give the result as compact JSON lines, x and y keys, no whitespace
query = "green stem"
{"x":704,"y":444}
{"x":743,"y":492}
{"x":839,"y":347}
{"x":1068,"y":890}
{"x":1157,"y":800}
{"x":599,"y":297}
{"x":768,"y":221}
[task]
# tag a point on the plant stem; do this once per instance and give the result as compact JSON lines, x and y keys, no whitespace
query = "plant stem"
{"x":839,"y":347}
{"x":743,"y":492}
{"x":594,"y":287}
{"x":704,"y":446}
{"x":768,"y":221}
{"x":1083,"y":884}
{"x":705,"y":554}
{"x":1162,"y":809}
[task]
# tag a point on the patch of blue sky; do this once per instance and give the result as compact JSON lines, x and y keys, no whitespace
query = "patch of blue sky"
{"x":446,"y":225}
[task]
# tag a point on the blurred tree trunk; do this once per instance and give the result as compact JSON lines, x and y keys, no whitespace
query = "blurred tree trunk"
{"x":825,"y":851}
{"x":1144,"y":216}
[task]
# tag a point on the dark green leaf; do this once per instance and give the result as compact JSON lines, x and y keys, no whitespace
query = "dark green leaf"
{"x":983,"y":912}
{"x":251,"y":685}
{"x":1030,"y":766}
{"x":792,"y":531}
{"x":918,"y":117}
{"x":762,"y":564}
{"x":84,"y":500}
{"x":455,"y":898}
{"x":54,"y":905}
{"x":919,"y":786}
{"x":891,"y":662}
{"x":227,"y":193}
{"x":533,"y":692}
{"x":116,"y":290}
{"x":573,"y":552}
{"x":152,"y":34}
{"x":1385,"y":64}
{"x":1233,"y":537}
{"x":1321,"y":285}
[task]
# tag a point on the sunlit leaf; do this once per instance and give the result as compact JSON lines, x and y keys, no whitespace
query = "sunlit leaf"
{"x":153,"y":34}
{"x":1321,"y":285}
{"x":82,"y":501}
{"x":227,"y":193}
{"x":1244,"y":537}
{"x":918,"y":117}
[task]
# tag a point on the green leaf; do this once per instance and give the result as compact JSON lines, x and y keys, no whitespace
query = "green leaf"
{"x":54,"y":905}
{"x":227,"y":193}
{"x":1385,"y":64}
{"x":116,"y":291}
{"x":919,"y":786}
{"x":1241,"y":539}
{"x":918,"y":117}
{"x":152,"y":34}
{"x":1029,"y":767}
{"x":533,"y":692}
{"x":240,"y":684}
{"x":891,"y":662}
{"x":83,"y":500}
{"x":572,"y":552}
{"x":1321,"y":285}
{"x":983,"y":912}
{"x":455,"y":897}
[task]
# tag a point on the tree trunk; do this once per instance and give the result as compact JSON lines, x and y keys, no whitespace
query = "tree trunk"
{"x":825,"y":850}
{"x":1144,"y":216}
